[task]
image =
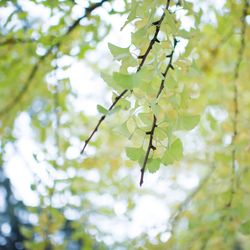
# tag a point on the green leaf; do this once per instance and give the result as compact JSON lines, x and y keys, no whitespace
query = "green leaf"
{"x":101,"y":109}
{"x":173,"y":153}
{"x":171,"y":83}
{"x":184,"y":98}
{"x":118,"y":52}
{"x":245,"y":228}
{"x":134,"y":154}
{"x":132,"y":14}
{"x":153,"y":165}
{"x":175,"y":100}
{"x":124,"y":80}
{"x":27,"y":233}
{"x":170,"y":22}
{"x":187,"y":122}
{"x":146,"y":118}
{"x":131,"y":125}
{"x":124,"y":104}
{"x":110,"y":81}
{"x":212,"y":121}
{"x":122,"y":130}
{"x":160,"y":133}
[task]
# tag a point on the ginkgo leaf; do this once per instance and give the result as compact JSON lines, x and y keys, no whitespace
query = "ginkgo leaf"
{"x":124,"y":104}
{"x":134,"y":154}
{"x":146,"y":118}
{"x":110,"y":81}
{"x":122,"y":130}
{"x":170,"y":21}
{"x":153,"y":165}
{"x":245,"y":228}
{"x":118,"y":52}
{"x":101,"y":109}
{"x":132,"y":14}
{"x":124,"y":80}
{"x":173,"y":153}
{"x":187,"y":122}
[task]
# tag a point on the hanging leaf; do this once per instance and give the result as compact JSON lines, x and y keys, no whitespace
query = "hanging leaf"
{"x":245,"y":228}
{"x":187,"y":122}
{"x":118,"y":52}
{"x":134,"y":154}
{"x":153,"y":165}
{"x":173,"y":153}
{"x":101,"y":109}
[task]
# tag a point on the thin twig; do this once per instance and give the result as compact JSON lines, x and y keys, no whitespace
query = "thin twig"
{"x":154,"y":123}
{"x":154,"y":39}
{"x":35,"y":68}
{"x":143,"y":58}
{"x":102,"y":119}
{"x":150,"y":146}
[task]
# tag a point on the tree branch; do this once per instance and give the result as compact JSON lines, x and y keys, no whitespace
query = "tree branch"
{"x":102,"y":119}
{"x":154,"y":124}
{"x":35,"y":68}
{"x":11,"y":41}
{"x":154,"y":39}
{"x":150,"y":146}
{"x":143,"y":59}
{"x":236,"y":98}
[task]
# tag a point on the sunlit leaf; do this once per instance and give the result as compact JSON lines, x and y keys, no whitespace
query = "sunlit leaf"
{"x":134,"y":154}
{"x":173,"y":153}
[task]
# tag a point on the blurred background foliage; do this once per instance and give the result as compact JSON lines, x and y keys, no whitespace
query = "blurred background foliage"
{"x":54,"y":56}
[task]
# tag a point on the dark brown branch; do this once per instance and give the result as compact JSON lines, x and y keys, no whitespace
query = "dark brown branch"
{"x":102,"y":119}
{"x":169,"y":66}
{"x":35,"y":68}
{"x":154,"y":124}
{"x":143,"y":59}
{"x":150,"y":146}
{"x":157,"y":25}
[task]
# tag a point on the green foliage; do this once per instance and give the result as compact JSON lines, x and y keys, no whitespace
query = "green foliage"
{"x":245,"y":228}
{"x":180,"y":97}
{"x":102,"y":110}
{"x":173,"y":153}
{"x":134,"y":154}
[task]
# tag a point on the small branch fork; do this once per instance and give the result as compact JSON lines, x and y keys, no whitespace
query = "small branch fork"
{"x":154,"y":124}
{"x":143,"y":58}
{"x":236,"y":96}
{"x":35,"y":68}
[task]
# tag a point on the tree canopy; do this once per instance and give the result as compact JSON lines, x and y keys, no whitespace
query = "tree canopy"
{"x":124,"y":124}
